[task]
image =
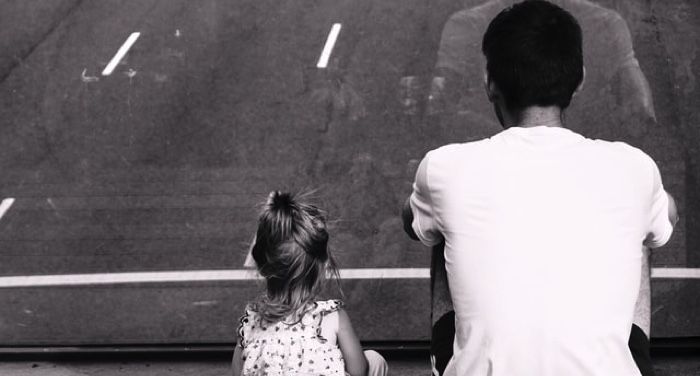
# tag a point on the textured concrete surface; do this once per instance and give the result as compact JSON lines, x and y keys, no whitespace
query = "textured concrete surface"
{"x":159,"y":166}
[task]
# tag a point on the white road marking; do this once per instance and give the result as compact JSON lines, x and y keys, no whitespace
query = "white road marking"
{"x":136,"y":277}
{"x":385,"y":273}
{"x":191,"y":276}
{"x":85,"y":78}
{"x":676,"y":273}
{"x":120,"y":53}
{"x":249,"y":275}
{"x":328,"y":48}
{"x":206,"y":303}
{"x":5,"y":206}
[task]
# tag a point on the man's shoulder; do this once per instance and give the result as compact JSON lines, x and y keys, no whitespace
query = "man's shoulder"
{"x":455,"y":150}
{"x":623,"y":150}
{"x":464,"y":157}
{"x":623,"y":158}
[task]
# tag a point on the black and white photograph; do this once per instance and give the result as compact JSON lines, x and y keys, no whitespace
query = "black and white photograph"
{"x":350,"y":187}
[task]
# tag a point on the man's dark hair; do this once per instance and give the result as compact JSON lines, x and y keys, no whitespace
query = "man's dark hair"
{"x":534,"y":55}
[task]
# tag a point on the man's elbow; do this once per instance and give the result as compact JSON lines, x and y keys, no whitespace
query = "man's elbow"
{"x":407,"y":217}
{"x":672,"y":210}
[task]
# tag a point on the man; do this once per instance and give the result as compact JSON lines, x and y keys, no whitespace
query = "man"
{"x":615,"y":86}
{"x":543,"y":228}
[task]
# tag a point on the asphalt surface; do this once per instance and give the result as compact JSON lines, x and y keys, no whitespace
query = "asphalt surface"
{"x":159,"y":165}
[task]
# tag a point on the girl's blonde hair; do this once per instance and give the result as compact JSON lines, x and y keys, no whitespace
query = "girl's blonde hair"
{"x":291,"y":253}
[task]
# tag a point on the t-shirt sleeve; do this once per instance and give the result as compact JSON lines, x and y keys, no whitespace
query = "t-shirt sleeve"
{"x":660,"y":227}
{"x":424,"y":222}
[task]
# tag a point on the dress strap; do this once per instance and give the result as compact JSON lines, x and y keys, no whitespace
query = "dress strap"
{"x":244,"y":325}
{"x":323,"y":308}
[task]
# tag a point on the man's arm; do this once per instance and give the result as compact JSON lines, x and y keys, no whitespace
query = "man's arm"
{"x":418,"y":214}
{"x":663,"y":213}
{"x":407,"y":217}
{"x":673,"y":216}
{"x":663,"y":223}
{"x":642,"y":310}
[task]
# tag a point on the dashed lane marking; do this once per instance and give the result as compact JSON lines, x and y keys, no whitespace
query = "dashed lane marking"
{"x":120,"y":53}
{"x":328,"y":48}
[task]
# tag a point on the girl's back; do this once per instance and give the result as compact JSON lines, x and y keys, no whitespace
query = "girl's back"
{"x":293,"y":346}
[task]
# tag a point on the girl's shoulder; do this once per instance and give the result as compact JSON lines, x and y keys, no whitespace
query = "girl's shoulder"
{"x":250,"y":324}
{"x":246,"y":323}
{"x":327,"y":306}
{"x":324,"y":317}
{"x":249,"y":315}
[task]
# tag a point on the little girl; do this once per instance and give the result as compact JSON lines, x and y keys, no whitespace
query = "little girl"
{"x":287,"y":331}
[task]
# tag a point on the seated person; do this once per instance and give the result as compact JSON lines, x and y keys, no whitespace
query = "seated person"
{"x":543,"y":228}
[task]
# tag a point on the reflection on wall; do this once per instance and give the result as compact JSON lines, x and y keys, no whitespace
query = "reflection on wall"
{"x":615,"y":85}
{"x":615,"y":103}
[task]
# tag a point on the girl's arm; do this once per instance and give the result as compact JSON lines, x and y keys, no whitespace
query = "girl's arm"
{"x":236,"y":363}
{"x":355,"y":361}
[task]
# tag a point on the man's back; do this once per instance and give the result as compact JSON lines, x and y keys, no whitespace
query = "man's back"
{"x":543,"y":232}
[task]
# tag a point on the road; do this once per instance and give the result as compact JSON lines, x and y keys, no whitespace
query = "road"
{"x":158,"y":167}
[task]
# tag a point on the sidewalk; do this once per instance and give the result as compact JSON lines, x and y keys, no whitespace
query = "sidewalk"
{"x":410,"y":364}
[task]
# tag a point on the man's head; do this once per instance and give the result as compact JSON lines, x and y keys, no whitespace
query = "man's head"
{"x":534,"y":55}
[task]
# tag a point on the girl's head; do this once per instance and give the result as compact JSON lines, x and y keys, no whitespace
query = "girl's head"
{"x":291,"y":253}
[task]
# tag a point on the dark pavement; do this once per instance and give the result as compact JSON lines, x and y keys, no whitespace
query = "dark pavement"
{"x":159,"y":166}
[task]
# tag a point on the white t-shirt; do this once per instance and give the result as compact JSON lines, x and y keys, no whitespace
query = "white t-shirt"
{"x":543,"y":233}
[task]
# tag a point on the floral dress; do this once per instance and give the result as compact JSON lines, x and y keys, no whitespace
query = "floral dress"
{"x":281,"y":349}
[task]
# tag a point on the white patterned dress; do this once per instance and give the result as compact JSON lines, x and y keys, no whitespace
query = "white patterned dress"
{"x":284,"y":349}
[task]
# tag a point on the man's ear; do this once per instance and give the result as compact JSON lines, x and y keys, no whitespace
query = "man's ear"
{"x":491,"y":90}
{"x":580,"y":85}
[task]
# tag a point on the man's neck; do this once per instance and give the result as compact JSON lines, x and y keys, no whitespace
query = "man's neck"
{"x":540,"y":116}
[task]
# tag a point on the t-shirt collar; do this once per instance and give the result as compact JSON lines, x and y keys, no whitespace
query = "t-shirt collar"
{"x":540,"y":136}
